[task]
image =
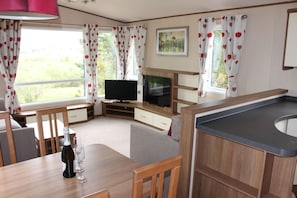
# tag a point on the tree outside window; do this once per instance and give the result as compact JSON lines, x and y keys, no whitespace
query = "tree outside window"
{"x":106,"y":61}
{"x":218,"y":76}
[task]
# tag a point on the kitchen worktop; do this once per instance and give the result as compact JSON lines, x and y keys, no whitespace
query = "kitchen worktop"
{"x":254,"y":125}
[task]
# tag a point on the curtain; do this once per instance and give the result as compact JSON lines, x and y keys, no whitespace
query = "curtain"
{"x":233,"y":32}
{"x":90,"y":36}
{"x":122,"y":39}
{"x":138,"y":35}
{"x":206,"y":28}
{"x":10,"y":39}
{"x":128,"y":38}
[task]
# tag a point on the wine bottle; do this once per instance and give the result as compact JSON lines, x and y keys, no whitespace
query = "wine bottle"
{"x":68,"y":155}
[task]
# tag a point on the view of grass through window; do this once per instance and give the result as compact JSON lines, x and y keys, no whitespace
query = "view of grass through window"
{"x":51,"y":65}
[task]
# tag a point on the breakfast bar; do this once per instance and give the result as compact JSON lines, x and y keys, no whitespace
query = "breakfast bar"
{"x":255,"y":125}
{"x":244,"y":146}
{"x":241,"y":152}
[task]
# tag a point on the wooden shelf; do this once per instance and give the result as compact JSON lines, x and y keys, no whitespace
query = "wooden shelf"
{"x":184,"y":102}
{"x":185,"y":87}
{"x":228,"y":181}
{"x":118,"y":110}
{"x":270,"y":196}
{"x":174,"y":76}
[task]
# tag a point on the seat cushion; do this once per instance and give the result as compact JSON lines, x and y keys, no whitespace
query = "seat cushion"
{"x":174,"y":130}
{"x":14,"y":124}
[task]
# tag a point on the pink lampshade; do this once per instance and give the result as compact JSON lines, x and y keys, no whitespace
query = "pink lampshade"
{"x":29,"y":9}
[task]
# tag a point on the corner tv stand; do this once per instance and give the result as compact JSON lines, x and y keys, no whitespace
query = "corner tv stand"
{"x":118,"y":109}
{"x":139,"y":112}
{"x":151,"y":114}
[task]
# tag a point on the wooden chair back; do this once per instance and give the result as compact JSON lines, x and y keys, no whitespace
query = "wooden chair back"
{"x":100,"y":194}
{"x":52,"y":117}
{"x":155,"y":174}
{"x":10,"y":140}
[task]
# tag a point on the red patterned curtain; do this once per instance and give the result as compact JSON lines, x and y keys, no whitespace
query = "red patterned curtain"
{"x":206,"y":28}
{"x":233,"y":32}
{"x":125,"y":37}
{"x":10,"y":39}
{"x":138,"y":35}
{"x":91,"y":32}
{"x":122,"y":43}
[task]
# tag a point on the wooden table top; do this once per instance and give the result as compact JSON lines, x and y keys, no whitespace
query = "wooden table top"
{"x":42,"y":177}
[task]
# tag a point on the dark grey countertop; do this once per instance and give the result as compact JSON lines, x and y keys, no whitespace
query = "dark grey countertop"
{"x":254,"y":125}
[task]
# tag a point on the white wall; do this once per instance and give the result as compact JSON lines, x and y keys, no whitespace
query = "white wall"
{"x":261,"y":65}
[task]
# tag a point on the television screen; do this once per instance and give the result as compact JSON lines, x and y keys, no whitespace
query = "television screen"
{"x":121,"y":90}
{"x":157,"y":90}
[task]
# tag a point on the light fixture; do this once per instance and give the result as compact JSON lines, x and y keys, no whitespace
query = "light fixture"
{"x":78,"y":1}
{"x":29,"y":9}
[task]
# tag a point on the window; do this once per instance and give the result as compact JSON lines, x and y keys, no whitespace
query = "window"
{"x":50,"y":65}
{"x":217,"y":78}
{"x":106,"y":61}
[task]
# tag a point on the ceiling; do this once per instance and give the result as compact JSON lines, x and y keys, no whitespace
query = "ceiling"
{"x":138,"y":10}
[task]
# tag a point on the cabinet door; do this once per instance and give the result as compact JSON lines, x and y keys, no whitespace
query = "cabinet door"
{"x":143,"y":116}
{"x":77,"y":115}
{"x":161,"y":122}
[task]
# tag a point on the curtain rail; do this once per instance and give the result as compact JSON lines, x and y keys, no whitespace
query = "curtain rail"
{"x":44,"y":24}
{"x":219,"y":18}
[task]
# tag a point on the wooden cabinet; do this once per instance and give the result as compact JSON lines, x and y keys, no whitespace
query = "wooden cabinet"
{"x":150,"y":118}
{"x":177,"y":87}
{"x":175,"y":76}
{"x":227,"y":169}
{"x":118,"y":110}
{"x":76,"y":113}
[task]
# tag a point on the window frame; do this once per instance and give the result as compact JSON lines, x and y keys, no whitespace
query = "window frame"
{"x":50,"y":27}
{"x":209,"y":61}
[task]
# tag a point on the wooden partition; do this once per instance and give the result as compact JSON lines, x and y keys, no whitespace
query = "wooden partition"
{"x":227,"y":169}
{"x":186,"y":147}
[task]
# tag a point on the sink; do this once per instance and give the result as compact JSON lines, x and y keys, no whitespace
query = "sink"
{"x":287,"y":124}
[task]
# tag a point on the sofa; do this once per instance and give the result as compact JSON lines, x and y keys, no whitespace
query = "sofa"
{"x":24,"y":139}
{"x":148,"y":145}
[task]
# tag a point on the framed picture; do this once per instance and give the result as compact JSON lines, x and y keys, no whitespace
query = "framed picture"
{"x":172,"y":41}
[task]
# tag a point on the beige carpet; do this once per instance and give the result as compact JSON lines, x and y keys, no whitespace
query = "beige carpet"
{"x":112,"y":132}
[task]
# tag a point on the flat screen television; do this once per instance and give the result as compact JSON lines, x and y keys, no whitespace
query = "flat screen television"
{"x":157,"y":90}
{"x":121,"y":90}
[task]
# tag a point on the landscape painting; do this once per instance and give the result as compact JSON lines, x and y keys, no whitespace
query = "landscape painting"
{"x":172,"y":41}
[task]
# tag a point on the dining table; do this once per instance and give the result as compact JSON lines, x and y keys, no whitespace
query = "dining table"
{"x":105,"y":168}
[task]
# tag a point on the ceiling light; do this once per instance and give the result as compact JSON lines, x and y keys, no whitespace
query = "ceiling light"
{"x":29,"y":9}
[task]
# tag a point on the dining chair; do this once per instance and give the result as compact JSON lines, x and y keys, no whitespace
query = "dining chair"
{"x":11,"y":147}
{"x":53,"y":117}
{"x":99,"y":194}
{"x":154,"y":174}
